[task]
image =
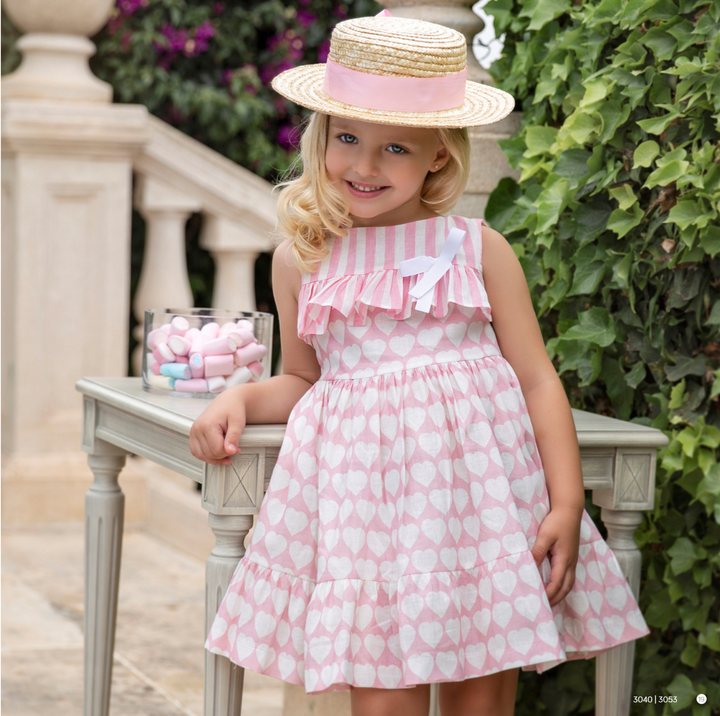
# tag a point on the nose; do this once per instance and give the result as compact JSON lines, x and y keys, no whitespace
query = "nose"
{"x":366,"y":165}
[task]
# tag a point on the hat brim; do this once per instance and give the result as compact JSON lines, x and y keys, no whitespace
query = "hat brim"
{"x":483,"y":104}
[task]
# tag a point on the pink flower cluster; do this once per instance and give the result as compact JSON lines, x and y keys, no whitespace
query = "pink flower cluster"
{"x":191,"y":43}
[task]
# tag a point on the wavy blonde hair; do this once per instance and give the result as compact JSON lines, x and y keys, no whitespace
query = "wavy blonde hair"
{"x":310,"y":208}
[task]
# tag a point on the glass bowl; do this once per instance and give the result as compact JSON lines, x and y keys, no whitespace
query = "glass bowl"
{"x":200,"y":352}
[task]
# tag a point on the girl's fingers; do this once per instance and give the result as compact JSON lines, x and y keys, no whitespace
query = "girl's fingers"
{"x":567,"y":584}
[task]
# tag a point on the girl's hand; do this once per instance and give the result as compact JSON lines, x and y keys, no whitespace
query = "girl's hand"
{"x":214,"y":435}
{"x":559,"y":534}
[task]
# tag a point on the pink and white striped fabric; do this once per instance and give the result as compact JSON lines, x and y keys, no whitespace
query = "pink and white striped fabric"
{"x":393,"y":544}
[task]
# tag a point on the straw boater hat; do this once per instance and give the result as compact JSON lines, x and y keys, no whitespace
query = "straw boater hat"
{"x":394,"y":70}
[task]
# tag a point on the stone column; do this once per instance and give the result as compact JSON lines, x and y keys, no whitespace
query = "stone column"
{"x":66,"y":196}
{"x":489,"y":165}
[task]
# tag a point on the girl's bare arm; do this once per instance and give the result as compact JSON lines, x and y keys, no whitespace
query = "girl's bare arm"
{"x":272,"y":400}
{"x":215,"y":433}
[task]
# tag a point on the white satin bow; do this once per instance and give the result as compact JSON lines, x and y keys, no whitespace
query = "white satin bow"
{"x":433,"y":268}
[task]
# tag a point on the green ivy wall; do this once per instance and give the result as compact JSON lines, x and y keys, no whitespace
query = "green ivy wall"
{"x":615,"y":222}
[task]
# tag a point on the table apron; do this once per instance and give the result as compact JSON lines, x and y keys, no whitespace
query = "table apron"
{"x":149,"y":440}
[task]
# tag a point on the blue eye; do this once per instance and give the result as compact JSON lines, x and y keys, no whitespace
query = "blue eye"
{"x":341,"y":137}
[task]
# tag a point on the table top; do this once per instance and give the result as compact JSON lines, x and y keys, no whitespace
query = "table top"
{"x":179,"y":413}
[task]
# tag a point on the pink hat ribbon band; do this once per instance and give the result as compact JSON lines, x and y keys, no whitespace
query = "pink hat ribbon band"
{"x":394,"y":94}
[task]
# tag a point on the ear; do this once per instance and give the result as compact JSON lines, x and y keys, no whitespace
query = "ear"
{"x":442,"y":157}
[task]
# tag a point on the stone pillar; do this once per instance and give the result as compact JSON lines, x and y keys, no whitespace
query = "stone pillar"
{"x":66,"y":195}
{"x":489,"y":164}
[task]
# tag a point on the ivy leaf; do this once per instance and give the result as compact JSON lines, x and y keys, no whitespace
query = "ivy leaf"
{"x":547,"y":10}
{"x":621,"y":222}
{"x":587,"y":278}
{"x":657,"y":125}
{"x":636,"y":376}
{"x":685,"y":213}
{"x":594,"y":325}
{"x":624,"y":196}
{"x":710,"y":240}
{"x":672,"y":171}
{"x":685,"y":365}
{"x":660,"y":42}
{"x":644,"y":155}
{"x":682,"y":688}
{"x":539,"y":140}
{"x":551,"y":202}
{"x":684,"y":555}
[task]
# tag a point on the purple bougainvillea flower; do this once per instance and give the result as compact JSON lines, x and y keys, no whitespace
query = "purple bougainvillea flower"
{"x":305,"y":18}
{"x":288,"y":136}
{"x":340,"y":11}
{"x":115,"y":23}
{"x":218,"y":7}
{"x":227,"y":77}
{"x":129,"y":6}
{"x":176,"y":38}
{"x":269,"y":71}
{"x":125,"y":41}
{"x":204,"y":31}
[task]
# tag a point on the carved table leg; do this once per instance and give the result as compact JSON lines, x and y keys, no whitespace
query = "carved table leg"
{"x":223,"y":679}
{"x":614,"y":669}
{"x":104,"y":512}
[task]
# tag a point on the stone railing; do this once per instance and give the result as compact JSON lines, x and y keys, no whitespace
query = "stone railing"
{"x":177,"y":176}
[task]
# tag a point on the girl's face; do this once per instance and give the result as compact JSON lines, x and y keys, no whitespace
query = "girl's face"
{"x":396,"y":159}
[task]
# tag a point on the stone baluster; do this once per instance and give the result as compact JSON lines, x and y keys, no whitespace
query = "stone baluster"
{"x":235,"y":248}
{"x":164,"y":278}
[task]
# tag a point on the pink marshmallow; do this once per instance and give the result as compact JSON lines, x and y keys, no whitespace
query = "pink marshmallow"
{"x":182,"y":359}
{"x":245,"y":325}
{"x":194,"y":385}
{"x":256,"y":368}
{"x":192,"y":334}
{"x":220,"y":346}
{"x":179,"y":345}
{"x":165,"y":328}
{"x":179,"y":326}
{"x":163,"y":354}
{"x":240,"y":376}
{"x":243,"y":336}
{"x":197,"y":365}
{"x":219,"y":365}
{"x":227,"y":328}
{"x":155,"y":368}
{"x":210,"y":330}
{"x":216,"y":384}
{"x":155,"y":338}
{"x":197,"y":344}
{"x":249,"y":353}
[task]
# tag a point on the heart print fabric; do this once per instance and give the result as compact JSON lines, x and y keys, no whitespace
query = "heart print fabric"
{"x":393,"y":545}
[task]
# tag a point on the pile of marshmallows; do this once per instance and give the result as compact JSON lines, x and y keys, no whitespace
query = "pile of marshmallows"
{"x":205,"y":360}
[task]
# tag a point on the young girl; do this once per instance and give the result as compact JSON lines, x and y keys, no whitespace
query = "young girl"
{"x":425,"y":520}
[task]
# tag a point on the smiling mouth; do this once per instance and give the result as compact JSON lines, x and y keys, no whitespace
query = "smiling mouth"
{"x":368,"y":190}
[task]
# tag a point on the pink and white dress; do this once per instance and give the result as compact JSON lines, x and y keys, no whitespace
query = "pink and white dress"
{"x":393,"y":545}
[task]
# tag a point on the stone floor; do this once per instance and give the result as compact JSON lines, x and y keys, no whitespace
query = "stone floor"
{"x":158,"y":669}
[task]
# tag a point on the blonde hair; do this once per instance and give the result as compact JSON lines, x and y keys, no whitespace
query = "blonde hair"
{"x":310,"y":208}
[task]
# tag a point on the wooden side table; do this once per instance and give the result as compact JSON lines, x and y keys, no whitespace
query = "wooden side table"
{"x":120,"y":418}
